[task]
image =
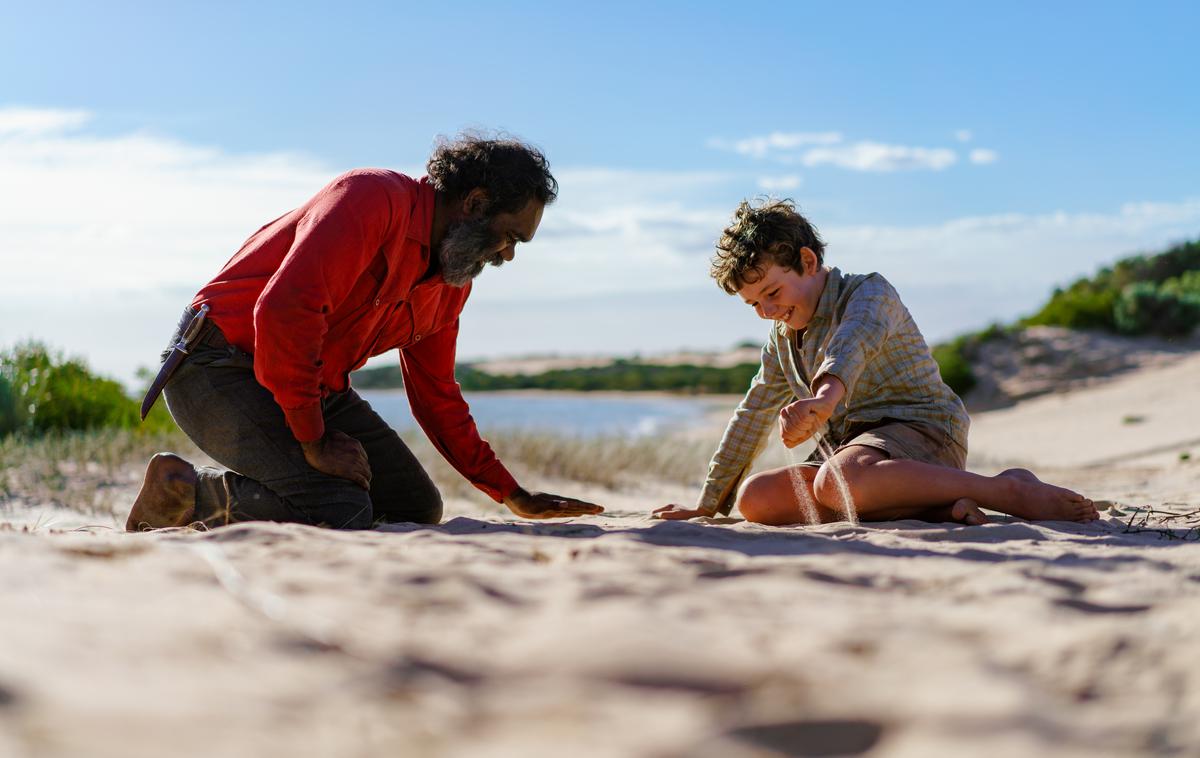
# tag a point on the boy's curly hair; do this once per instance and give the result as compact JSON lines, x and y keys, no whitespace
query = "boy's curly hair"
{"x":772,"y":231}
{"x":510,"y":171}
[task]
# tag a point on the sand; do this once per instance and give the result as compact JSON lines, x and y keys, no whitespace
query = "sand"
{"x":623,"y":636}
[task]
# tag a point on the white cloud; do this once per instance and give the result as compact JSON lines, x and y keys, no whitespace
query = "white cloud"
{"x":80,"y":211}
{"x":103,"y":239}
{"x":876,"y":156}
{"x":963,"y":135}
{"x":32,"y":122}
{"x":982,"y":156}
{"x":830,"y":148}
{"x":760,"y":147}
{"x":779,"y":183}
{"x":1000,"y":266}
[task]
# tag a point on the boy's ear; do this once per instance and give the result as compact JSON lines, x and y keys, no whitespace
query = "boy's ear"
{"x":809,"y":260}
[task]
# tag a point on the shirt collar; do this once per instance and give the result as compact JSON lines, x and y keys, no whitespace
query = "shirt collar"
{"x":420,"y":227}
{"x":829,"y":296}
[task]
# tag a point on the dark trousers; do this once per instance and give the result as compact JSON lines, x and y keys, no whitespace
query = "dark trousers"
{"x":218,"y":403}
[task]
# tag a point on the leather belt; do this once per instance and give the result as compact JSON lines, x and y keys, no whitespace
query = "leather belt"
{"x":188,"y":338}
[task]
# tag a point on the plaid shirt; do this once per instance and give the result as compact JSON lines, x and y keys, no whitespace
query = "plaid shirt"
{"x":862,"y":334}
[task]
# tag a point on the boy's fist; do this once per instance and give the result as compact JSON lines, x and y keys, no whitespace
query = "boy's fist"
{"x":802,"y":419}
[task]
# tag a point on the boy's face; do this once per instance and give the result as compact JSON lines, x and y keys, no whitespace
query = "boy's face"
{"x":785,"y":295}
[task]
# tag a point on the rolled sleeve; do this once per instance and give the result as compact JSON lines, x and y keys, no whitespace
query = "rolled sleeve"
{"x":306,"y":422}
{"x":870,"y":315}
{"x":438,"y":406}
{"x":746,"y":432}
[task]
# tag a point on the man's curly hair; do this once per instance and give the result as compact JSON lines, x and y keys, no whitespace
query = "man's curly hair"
{"x":511,"y":172}
{"x":772,"y":231}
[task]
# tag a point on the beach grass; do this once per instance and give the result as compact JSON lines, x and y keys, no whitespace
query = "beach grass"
{"x":95,"y":471}
{"x":86,"y":471}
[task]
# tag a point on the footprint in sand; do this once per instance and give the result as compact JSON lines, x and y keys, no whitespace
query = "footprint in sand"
{"x":812,"y":738}
{"x":1086,"y":607}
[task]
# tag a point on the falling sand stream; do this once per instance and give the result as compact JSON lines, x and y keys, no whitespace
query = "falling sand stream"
{"x":848,"y":509}
{"x":808,"y":506}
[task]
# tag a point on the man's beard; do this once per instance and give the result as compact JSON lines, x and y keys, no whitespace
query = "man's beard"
{"x":467,"y":247}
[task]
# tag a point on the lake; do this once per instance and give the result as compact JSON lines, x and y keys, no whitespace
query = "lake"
{"x":573,"y":413}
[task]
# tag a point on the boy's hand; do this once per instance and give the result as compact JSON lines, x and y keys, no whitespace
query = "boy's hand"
{"x":675,"y":512}
{"x":802,"y":419}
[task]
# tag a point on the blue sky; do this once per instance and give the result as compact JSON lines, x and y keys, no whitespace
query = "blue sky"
{"x":976,"y":156}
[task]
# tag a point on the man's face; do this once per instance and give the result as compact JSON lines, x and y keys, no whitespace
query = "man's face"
{"x":784,"y":295}
{"x":472,"y":243}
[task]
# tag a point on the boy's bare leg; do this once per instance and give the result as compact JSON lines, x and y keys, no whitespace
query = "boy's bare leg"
{"x":771,"y":497}
{"x":774,"y":497}
{"x":880,"y":487}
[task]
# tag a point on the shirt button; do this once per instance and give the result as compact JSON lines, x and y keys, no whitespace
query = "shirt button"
{"x":376,"y":302}
{"x":417,"y":338}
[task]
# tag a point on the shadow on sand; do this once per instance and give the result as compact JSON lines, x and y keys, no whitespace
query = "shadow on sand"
{"x":908,"y":538}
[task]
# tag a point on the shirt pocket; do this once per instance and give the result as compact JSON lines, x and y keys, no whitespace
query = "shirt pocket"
{"x":364,"y":298}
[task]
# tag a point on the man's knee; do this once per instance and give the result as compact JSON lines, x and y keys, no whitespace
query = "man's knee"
{"x":428,"y":510}
{"x":328,"y":501}
{"x":354,"y":514}
{"x":423,"y":506}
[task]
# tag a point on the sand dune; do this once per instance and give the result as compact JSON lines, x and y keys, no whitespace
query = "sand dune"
{"x":1130,"y":419}
{"x":623,"y":636}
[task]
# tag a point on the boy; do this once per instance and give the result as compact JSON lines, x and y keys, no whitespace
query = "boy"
{"x":846,"y":361}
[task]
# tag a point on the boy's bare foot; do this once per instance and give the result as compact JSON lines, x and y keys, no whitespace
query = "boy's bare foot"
{"x":167,"y":497}
{"x":967,"y":511}
{"x":1028,"y":497}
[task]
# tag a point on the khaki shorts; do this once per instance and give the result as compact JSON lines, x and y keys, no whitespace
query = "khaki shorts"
{"x":902,"y":440}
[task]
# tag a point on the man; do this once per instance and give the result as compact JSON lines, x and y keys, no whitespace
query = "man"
{"x":375,"y":261}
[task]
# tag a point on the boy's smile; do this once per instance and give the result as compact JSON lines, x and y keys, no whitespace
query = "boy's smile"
{"x":785,"y":295}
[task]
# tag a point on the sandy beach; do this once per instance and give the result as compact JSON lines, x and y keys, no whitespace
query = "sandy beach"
{"x":623,"y":636}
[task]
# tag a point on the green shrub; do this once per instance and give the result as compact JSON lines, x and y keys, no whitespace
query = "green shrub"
{"x":1083,"y":305}
{"x":1187,"y":283}
{"x":1146,"y":308}
{"x":954,"y":362}
{"x":620,"y":375}
{"x":1093,"y":303}
{"x":8,"y":407}
{"x":41,"y":392}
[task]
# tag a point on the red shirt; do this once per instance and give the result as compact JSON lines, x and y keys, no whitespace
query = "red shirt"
{"x":319,"y":290}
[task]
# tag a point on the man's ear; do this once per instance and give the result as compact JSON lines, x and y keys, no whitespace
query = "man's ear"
{"x":475,"y":203}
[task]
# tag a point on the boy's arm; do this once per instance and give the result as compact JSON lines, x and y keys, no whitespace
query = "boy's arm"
{"x":805,"y":417}
{"x":871,"y":313}
{"x":743,"y":438}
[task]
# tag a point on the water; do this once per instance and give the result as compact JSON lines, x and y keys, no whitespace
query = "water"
{"x":573,"y":414}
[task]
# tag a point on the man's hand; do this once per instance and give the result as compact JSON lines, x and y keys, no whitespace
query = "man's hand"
{"x":675,"y":512}
{"x":804,"y":418}
{"x":338,"y":454}
{"x":544,"y":505}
